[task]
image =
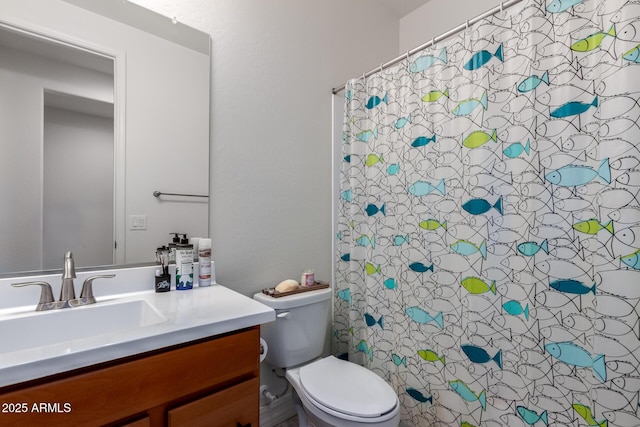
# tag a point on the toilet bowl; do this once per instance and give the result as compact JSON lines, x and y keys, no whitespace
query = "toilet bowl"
{"x":328,"y":392}
{"x":331,"y":392}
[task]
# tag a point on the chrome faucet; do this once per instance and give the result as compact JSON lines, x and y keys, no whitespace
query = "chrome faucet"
{"x":67,"y":291}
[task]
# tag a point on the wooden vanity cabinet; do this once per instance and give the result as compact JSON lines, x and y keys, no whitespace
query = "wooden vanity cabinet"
{"x":209,"y":383}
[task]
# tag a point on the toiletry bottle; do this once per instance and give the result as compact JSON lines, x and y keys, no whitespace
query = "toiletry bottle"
{"x":184,"y":264}
{"x":204,"y":262}
{"x":172,"y":247}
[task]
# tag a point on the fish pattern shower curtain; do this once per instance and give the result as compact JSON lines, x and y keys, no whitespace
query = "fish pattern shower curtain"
{"x":488,"y":247}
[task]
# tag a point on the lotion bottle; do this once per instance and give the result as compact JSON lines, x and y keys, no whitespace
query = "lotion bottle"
{"x":204,"y":262}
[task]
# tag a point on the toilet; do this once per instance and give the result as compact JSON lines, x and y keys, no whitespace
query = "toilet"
{"x":328,"y":392}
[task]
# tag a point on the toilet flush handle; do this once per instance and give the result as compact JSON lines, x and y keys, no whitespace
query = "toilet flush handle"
{"x":284,"y":315}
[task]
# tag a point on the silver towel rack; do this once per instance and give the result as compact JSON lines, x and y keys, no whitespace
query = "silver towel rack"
{"x":158,"y":194}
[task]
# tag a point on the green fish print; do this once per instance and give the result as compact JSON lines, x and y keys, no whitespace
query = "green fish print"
{"x":434,"y":95}
{"x":372,"y":269}
{"x":431,"y":356}
{"x":592,"y":226}
{"x":478,"y":138}
{"x":373,"y":159}
{"x":586,"y":414}
{"x":593,"y":41}
{"x":432,"y":224}
{"x":476,"y":285}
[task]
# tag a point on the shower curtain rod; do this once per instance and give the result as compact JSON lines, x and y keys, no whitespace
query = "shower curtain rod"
{"x":433,"y":41}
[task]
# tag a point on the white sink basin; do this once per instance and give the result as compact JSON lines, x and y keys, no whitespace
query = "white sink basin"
{"x":38,"y":329}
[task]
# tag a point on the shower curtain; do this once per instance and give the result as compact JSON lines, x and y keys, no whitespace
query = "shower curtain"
{"x":488,"y":221}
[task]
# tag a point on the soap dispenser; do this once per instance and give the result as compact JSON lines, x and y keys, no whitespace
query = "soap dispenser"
{"x":184,"y":264}
{"x":172,"y":247}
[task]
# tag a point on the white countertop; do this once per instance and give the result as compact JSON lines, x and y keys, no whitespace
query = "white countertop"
{"x":185,"y":316}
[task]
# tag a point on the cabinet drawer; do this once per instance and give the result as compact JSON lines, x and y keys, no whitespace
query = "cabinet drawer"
{"x":115,"y":392}
{"x":237,"y":405}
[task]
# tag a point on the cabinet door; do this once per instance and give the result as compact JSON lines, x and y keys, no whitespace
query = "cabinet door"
{"x":231,"y":407}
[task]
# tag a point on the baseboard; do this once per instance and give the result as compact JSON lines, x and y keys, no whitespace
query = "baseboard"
{"x":279,"y":411}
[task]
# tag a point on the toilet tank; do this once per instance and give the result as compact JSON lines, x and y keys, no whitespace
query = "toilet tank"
{"x":298,"y":333}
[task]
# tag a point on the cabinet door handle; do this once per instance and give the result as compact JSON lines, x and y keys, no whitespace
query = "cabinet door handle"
{"x":243,"y":425}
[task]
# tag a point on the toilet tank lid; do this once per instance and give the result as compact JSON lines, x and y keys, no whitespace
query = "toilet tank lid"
{"x":295,"y":300}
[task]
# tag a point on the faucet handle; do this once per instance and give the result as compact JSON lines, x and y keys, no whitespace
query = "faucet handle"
{"x":46,"y":296}
{"x":86,"y":295}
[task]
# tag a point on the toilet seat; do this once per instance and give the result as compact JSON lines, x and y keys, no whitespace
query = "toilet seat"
{"x":347,"y":390}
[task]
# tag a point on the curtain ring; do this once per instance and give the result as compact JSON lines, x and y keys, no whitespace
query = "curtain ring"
{"x":433,"y":42}
{"x":467,"y":24}
{"x":501,"y":7}
{"x":407,"y":55}
{"x":381,"y":64}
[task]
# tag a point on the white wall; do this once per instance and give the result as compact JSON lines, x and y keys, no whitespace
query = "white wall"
{"x":274,"y":64}
{"x":436,"y":18}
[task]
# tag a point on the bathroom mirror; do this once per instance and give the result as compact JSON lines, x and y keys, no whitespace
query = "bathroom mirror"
{"x":102,"y":103}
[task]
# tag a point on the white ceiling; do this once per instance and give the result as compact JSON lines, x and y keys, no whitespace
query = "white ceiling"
{"x":402,"y":7}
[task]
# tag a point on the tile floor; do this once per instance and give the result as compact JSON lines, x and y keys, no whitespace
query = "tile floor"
{"x":291,"y":422}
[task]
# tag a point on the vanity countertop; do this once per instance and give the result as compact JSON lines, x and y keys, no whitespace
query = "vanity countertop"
{"x":181,"y":317}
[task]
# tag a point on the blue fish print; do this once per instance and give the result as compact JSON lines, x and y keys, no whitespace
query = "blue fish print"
{"x":366,"y":241}
{"x":426,"y":61}
{"x":372,"y":209}
{"x":465,"y":108}
{"x":402,"y":121}
{"x":375,"y":100}
{"x":421,"y":141}
{"x":573,"y":108}
{"x":419,"y":396}
{"x":532,"y":248}
{"x":571,"y":286}
{"x":400,"y":240}
{"x":419,"y":267}
{"x":466,"y":248}
{"x":393,"y":169}
{"x":479,"y":59}
{"x":371,"y":321}
{"x":633,"y":55}
{"x":397,"y":360}
{"x":422,"y":188}
{"x":347,"y":158}
{"x":345,"y":295}
{"x":515,"y":149}
{"x":390,"y":283}
{"x":575,"y":175}
{"x":346,"y":257}
{"x":481,"y":206}
{"x":557,"y":6}
{"x":530,"y":83}
{"x":532,"y":417}
{"x":479,"y":355}
{"x":418,"y":315}
{"x":366,"y":135}
{"x":573,"y":354}
{"x":515,"y":308}
{"x":467,"y":394}
{"x":347,"y":195}
{"x":632,"y":260}
{"x":365,"y":348}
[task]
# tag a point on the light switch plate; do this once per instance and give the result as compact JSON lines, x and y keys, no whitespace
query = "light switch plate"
{"x":137,"y":222}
